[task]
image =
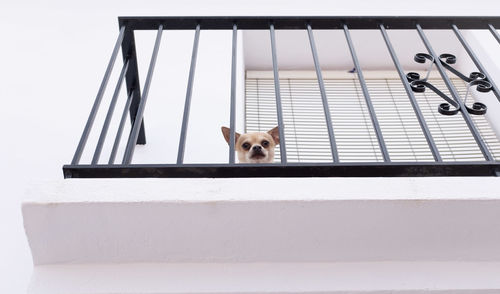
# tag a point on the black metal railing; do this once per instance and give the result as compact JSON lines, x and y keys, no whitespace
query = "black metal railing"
{"x":412,"y":82}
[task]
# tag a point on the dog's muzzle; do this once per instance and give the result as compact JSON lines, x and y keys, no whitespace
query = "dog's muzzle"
{"x":257,"y":152}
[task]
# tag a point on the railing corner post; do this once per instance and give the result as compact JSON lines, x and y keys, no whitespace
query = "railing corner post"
{"x":132,"y":80}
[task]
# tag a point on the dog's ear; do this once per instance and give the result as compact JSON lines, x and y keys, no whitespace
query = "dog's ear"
{"x":227,"y":133}
{"x":275,"y":133}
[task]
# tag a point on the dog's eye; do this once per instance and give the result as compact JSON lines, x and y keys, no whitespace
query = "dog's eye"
{"x":246,"y":146}
{"x":265,"y":144}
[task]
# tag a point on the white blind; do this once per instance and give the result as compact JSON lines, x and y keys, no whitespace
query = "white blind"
{"x":307,"y":136}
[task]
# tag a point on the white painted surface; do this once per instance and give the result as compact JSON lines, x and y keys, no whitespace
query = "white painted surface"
{"x":329,"y":74}
{"x":54,"y":55}
{"x":262,"y":189}
{"x":337,"y":278}
{"x":294,"y":50}
{"x":317,"y":220}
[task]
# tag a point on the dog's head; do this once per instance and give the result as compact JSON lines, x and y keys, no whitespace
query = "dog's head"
{"x":254,"y":147}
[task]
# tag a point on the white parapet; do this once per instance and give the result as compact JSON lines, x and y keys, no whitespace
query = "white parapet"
{"x":440,"y":233}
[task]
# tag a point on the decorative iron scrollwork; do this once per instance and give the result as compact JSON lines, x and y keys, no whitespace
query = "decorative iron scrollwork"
{"x":452,"y":107}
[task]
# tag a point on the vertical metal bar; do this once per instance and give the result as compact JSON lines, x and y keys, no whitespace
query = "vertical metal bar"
{"x":366,"y":94}
{"x":119,"y":132}
{"x":476,"y":61}
{"x":132,"y":80}
{"x":187,"y":104}
{"x":132,"y":139}
{"x":279,"y":110}
{"x":326,"y":108}
{"x":98,"y":99}
{"x":109,"y":115}
{"x":411,"y":96}
{"x":494,"y":32}
{"x":454,"y":94}
{"x":232,"y":115}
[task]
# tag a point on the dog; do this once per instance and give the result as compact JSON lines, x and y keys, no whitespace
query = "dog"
{"x":254,"y":147}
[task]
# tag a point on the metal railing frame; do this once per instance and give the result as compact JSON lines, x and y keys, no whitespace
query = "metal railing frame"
{"x":136,"y":102}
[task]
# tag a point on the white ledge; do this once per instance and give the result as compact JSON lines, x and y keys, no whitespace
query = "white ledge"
{"x":263,"y":189}
{"x":336,"y":278}
{"x":265,"y":220}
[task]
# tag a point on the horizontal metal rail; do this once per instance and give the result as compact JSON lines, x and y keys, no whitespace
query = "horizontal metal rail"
{"x":297,"y":22}
{"x":383,"y":134}
{"x":393,"y":169}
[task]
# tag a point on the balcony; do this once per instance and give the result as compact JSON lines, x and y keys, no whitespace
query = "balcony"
{"x":480,"y":159}
{"x":278,"y":235}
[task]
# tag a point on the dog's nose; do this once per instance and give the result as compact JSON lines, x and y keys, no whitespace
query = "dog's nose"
{"x":257,"y":148}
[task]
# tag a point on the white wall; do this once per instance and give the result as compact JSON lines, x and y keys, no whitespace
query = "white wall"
{"x":53,"y":58}
{"x":294,"y":50}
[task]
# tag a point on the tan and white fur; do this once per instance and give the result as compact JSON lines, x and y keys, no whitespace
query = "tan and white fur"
{"x":254,"y":147}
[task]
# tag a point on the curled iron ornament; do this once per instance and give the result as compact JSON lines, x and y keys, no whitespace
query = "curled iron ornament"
{"x":447,"y":59}
{"x":477,"y":108}
{"x":475,"y":78}
{"x":452,"y":107}
{"x":422,"y":58}
{"x":419,"y":85}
